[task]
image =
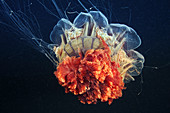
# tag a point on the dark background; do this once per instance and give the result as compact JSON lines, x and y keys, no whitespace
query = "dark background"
{"x":27,"y":82}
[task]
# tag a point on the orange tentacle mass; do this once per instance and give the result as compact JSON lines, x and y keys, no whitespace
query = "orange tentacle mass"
{"x":91,"y":78}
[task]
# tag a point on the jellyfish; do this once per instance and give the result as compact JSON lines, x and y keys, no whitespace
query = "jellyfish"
{"x":94,"y":59}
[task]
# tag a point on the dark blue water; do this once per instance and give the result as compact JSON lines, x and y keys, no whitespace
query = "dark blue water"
{"x":28,"y":85}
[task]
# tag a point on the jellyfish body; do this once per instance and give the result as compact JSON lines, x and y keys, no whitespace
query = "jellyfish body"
{"x":94,"y":59}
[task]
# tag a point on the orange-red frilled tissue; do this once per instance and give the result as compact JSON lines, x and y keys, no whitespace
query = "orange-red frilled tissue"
{"x":91,"y":77}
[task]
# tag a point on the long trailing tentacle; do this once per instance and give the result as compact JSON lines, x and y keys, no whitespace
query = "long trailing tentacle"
{"x":28,"y":27}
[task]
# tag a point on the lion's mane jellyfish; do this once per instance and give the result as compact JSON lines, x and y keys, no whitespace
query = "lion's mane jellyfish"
{"x":94,"y":58}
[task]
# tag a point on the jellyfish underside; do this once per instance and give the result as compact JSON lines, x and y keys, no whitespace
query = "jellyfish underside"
{"x":91,"y":33}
